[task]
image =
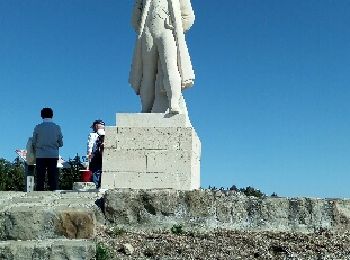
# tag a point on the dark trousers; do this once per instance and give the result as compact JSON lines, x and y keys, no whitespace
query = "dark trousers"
{"x":48,"y":165}
{"x":95,"y":167}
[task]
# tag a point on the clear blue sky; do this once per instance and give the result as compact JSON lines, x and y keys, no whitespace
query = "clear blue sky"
{"x":271,"y":102}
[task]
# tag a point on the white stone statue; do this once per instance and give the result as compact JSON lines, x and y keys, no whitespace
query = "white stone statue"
{"x":161,"y":66}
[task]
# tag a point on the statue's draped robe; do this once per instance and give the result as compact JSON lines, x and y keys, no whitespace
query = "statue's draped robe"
{"x":182,"y":16}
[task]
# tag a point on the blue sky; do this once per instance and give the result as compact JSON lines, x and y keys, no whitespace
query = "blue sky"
{"x":270,"y":103}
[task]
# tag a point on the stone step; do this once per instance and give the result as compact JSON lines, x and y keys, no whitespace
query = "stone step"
{"x":58,"y":249}
{"x":49,"y":215}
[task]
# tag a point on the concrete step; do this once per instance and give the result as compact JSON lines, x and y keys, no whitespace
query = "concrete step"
{"x":57,"y":249}
{"x":49,"y":215}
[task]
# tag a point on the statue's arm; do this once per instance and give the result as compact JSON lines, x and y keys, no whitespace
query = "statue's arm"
{"x":187,"y":14}
{"x":136,"y":15}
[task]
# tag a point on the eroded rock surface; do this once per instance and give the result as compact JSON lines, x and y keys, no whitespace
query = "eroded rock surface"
{"x":58,"y":249}
{"x":48,"y":215}
{"x":170,"y":224}
{"x":229,"y":210}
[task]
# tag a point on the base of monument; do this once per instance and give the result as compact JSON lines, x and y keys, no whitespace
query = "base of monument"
{"x":84,"y":186}
{"x":151,"y":151}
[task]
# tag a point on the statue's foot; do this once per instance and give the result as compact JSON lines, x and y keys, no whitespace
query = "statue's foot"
{"x":174,"y":110}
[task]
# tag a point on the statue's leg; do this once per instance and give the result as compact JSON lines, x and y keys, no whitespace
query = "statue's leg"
{"x":150,"y":63}
{"x":171,"y":76}
{"x":161,"y":103}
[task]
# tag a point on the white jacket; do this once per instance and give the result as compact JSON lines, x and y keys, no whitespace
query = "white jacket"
{"x":91,"y":144}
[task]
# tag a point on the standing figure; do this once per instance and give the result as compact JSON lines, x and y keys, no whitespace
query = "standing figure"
{"x":95,"y":147}
{"x":161,"y":66}
{"x":47,"y":139}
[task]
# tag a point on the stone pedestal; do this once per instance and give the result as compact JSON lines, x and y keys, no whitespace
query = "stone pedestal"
{"x":151,"y":151}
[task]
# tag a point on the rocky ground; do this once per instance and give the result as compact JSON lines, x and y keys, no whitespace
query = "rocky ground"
{"x":115,"y":243}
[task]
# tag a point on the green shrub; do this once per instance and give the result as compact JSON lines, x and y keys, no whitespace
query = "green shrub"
{"x":176,"y":229}
{"x":250,"y":191}
{"x":274,"y":194}
{"x":118,"y":231}
{"x":11,"y":175}
{"x":70,"y":175}
{"x":102,"y":251}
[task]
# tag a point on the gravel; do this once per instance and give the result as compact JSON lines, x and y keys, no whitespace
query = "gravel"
{"x":119,"y":244}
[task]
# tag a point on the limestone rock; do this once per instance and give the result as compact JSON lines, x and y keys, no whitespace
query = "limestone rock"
{"x":151,"y":151}
{"x":76,"y":223}
{"x":209,"y":210}
{"x":48,"y":215}
{"x":48,"y":250}
{"x":127,"y":249}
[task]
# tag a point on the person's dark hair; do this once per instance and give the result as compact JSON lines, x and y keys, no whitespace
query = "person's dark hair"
{"x":96,"y":122}
{"x":46,"y":112}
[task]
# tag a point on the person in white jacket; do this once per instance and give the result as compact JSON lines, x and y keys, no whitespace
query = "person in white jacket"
{"x":94,"y":150}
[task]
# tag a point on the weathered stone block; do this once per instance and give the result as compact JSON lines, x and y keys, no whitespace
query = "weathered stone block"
{"x":152,"y":120}
{"x":141,"y":180}
{"x":168,"y":161}
{"x":49,"y":215}
{"x":75,"y":223}
{"x":147,"y":138}
{"x":151,"y":151}
{"x":341,"y":213}
{"x":144,"y":207}
{"x":124,"y":161}
{"x":209,"y":210}
{"x":201,"y":203}
{"x":189,"y":141}
{"x":48,"y":250}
